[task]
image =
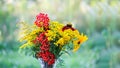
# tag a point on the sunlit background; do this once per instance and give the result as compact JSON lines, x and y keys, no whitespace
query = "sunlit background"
{"x":99,"y":19}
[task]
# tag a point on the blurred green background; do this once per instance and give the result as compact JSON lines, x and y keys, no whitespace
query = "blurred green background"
{"x":99,"y":19}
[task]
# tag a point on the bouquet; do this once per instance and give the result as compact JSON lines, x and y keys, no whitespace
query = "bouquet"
{"x":48,"y":40}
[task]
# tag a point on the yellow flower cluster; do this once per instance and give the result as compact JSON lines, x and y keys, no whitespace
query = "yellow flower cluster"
{"x":55,"y":27}
{"x":61,"y":38}
{"x":65,"y":37}
{"x":69,"y":35}
{"x":29,"y":36}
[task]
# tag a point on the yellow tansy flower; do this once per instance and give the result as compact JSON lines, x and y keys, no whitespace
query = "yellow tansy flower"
{"x":60,"y":42}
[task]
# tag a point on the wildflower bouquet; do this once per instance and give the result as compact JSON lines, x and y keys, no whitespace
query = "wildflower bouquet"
{"x":48,"y":40}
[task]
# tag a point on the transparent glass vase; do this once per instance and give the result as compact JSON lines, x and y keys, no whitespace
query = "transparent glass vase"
{"x":44,"y":64}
